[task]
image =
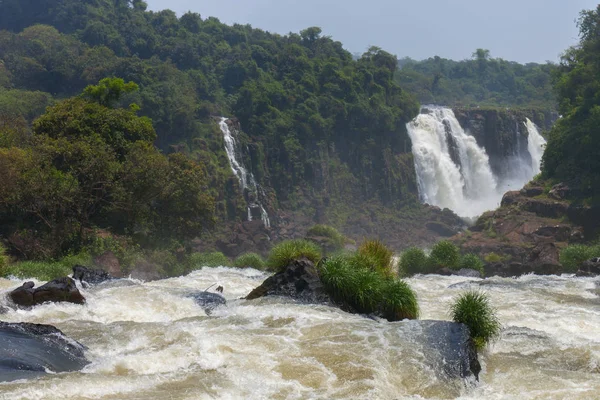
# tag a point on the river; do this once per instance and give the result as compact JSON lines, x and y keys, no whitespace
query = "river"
{"x":151,"y":341}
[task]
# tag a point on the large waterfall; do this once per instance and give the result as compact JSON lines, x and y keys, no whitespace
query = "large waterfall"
{"x":252,"y":191}
{"x":454,"y":172}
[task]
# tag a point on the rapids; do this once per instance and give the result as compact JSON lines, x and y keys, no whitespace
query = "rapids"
{"x":151,"y":341}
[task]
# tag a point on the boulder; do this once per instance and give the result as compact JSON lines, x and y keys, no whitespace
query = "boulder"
{"x":299,"y":281}
{"x":441,"y":229}
{"x":532,"y":191}
{"x":560,"y":191}
{"x":91,"y":276}
{"x":58,"y":290}
{"x":32,"y":350}
{"x":590,"y":267}
{"x":543,"y":259}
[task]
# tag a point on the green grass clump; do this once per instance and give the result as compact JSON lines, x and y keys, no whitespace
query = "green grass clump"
{"x":4,"y":260}
{"x":492,"y":258}
{"x":472,"y":261}
{"x":366,"y":290}
{"x":43,"y":270}
{"x":413,"y":261}
{"x":378,"y":252}
{"x":571,"y":257}
{"x":212,"y":259}
{"x":444,"y":254}
{"x":473,"y":309}
{"x":334,"y":239}
{"x":285,"y":252}
{"x":251,"y":260}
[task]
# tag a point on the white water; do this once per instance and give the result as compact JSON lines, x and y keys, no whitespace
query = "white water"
{"x":536,"y":145}
{"x":469,"y":187}
{"x":150,"y":341}
{"x":454,"y":172}
{"x":246,"y":178}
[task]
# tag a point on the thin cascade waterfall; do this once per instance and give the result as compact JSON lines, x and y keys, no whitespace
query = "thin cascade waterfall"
{"x":454,"y":172}
{"x":536,"y":145}
{"x":252,"y":191}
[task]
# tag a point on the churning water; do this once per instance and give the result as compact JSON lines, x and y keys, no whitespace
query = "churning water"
{"x":454,"y":172}
{"x":151,"y":341}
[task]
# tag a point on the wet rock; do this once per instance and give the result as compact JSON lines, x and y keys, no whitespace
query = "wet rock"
{"x":30,"y":350}
{"x":466,"y":272}
{"x":58,"y":290}
{"x":543,"y":259}
{"x":91,"y":276}
{"x":560,"y":191}
{"x":590,"y":267}
{"x":209,"y":301}
{"x":299,"y":281}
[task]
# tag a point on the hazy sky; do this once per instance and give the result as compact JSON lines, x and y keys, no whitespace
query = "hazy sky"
{"x":516,"y":30}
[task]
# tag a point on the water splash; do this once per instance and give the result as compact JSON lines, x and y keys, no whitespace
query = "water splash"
{"x":252,"y":191}
{"x":536,"y":145}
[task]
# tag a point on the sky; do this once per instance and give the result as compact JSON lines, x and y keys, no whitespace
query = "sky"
{"x":516,"y":30}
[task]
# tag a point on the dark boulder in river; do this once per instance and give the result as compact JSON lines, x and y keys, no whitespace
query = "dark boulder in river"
{"x":91,"y":276}
{"x":209,"y":300}
{"x":590,"y":267}
{"x":299,"y":281}
{"x":30,"y":350}
{"x":58,"y":290}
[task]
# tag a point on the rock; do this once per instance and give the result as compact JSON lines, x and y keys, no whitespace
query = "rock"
{"x":532,"y":191}
{"x":58,"y":290}
{"x":109,"y":262}
{"x":299,"y":281}
{"x":545,"y":208}
{"x":209,"y":301}
{"x":560,"y":191}
{"x":441,"y":229}
{"x":466,"y":272}
{"x":30,"y":350}
{"x":543,"y":259}
{"x":510,"y":198}
{"x":91,"y":276}
{"x":590,"y":267}
{"x":556,"y":233}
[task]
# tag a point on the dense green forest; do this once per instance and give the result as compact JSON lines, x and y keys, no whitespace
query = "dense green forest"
{"x":479,"y":81}
{"x":572,"y":151}
{"x":320,"y":127}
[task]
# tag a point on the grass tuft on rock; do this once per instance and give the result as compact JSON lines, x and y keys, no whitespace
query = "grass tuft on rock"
{"x":399,"y":301}
{"x":413,"y":261}
{"x":472,"y":261}
{"x":285,"y":252}
{"x":473,"y":309}
{"x":212,"y":259}
{"x":444,"y":254}
{"x":251,"y":260}
{"x":334,"y":240}
{"x":380,"y":253}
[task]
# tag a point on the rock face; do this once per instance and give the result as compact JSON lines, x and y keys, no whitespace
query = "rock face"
{"x":29,"y":350}
{"x":590,"y":267}
{"x":91,"y":276}
{"x":525,"y":235}
{"x":58,"y":290}
{"x":299,"y":281}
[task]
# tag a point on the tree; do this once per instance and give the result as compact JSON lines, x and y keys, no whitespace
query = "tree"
{"x":109,"y":91}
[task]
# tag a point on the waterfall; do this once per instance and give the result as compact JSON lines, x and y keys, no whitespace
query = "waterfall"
{"x":454,"y":172}
{"x":252,"y":191}
{"x":536,"y":145}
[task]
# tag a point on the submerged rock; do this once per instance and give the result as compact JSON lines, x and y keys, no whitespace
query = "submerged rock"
{"x":58,"y":290}
{"x":30,"y":350}
{"x":299,"y":281}
{"x":91,"y":276}
{"x":209,"y":300}
{"x":466,"y":272}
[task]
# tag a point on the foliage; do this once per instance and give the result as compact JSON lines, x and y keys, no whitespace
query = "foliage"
{"x":251,"y":260}
{"x":492,"y":258}
{"x":378,"y":252}
{"x":571,"y":257}
{"x":444,"y":254}
{"x":472,"y":261}
{"x":213,"y":259}
{"x":473,"y":309}
{"x":479,"y":81}
{"x":366,"y":290}
{"x":283,"y":253}
{"x":413,"y":261}
{"x":109,"y":91}
{"x":572,"y":151}
{"x":334,"y":239}
{"x":45,"y":271}
{"x":4,"y":259}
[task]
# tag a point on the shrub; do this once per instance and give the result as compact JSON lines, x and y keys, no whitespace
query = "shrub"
{"x":213,"y":259}
{"x":283,"y":253}
{"x":412,"y":261}
{"x":571,"y":257}
{"x":251,"y":260}
{"x":380,"y":253}
{"x":334,"y":239}
{"x":43,"y":271}
{"x":366,"y":290}
{"x":3,"y":259}
{"x":472,"y":261}
{"x":444,"y":254}
{"x":492,"y":257}
{"x":473,"y":309}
